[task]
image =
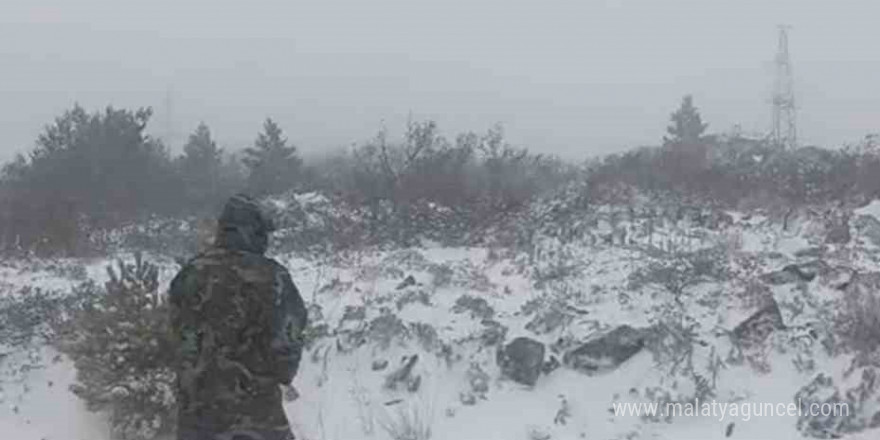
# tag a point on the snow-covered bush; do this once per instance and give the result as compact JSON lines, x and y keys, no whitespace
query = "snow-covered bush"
{"x":678,"y":271}
{"x":24,"y":316}
{"x":851,"y":402}
{"x":24,"y":329}
{"x":689,"y":365}
{"x":117,"y":338}
{"x":165,"y":236}
{"x":316,"y":223}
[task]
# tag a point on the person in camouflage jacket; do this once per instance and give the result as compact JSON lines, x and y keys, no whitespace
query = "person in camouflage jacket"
{"x":237,"y":319}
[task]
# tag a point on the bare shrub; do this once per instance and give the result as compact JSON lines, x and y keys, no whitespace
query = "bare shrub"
{"x":407,"y":423}
{"x":682,"y":270}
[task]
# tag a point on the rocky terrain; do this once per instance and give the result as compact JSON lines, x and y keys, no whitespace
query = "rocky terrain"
{"x":541,"y":340}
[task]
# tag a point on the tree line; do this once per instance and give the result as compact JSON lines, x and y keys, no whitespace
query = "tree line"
{"x":100,"y":170}
{"x":736,"y":171}
{"x":96,"y":171}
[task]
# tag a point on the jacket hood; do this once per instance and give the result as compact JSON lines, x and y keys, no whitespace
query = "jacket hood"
{"x":243,"y":226}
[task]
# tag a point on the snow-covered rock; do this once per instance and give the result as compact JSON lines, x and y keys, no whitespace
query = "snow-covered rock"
{"x":759,"y":325}
{"x":521,"y":360}
{"x":607,"y":351}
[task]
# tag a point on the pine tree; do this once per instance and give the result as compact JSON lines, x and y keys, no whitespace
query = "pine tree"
{"x":118,"y":340}
{"x":686,"y":152}
{"x":273,"y":165}
{"x":201,"y":151}
{"x":201,"y":167}
{"x":687,"y":127}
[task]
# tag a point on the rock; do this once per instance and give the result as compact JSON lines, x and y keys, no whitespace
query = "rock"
{"x":756,"y":328}
{"x":802,"y":273}
{"x":478,"y":307}
{"x":811,"y":252}
{"x":408,"y":281}
{"x":774,"y":255}
{"x":858,"y":327}
{"x":723,"y":220}
{"x":548,"y":320}
{"x":779,"y":278}
{"x":379,"y":364}
{"x":814,"y":268}
{"x":521,"y":360}
{"x":606,"y":352}
{"x":793,"y":273}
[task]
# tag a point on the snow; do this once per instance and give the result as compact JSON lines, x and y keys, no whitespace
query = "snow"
{"x":341,"y":397}
{"x":42,"y":408}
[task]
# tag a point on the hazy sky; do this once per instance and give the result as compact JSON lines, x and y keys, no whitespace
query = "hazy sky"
{"x":571,"y":77}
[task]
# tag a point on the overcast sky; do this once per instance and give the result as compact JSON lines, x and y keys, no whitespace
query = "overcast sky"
{"x":573,"y":77}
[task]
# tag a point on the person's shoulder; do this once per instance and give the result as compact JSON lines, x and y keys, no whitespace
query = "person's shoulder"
{"x":225,"y":258}
{"x":189,"y":270}
{"x":207,"y":261}
{"x":207,"y":256}
{"x":193,"y":263}
{"x":257,"y":264}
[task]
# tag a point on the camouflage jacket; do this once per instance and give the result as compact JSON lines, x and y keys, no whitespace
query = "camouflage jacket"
{"x":237,"y":318}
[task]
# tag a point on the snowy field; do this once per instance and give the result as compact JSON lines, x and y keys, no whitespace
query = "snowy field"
{"x":685,"y":289}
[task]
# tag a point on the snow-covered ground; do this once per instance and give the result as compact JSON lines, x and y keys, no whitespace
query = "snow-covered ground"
{"x":445,"y":305}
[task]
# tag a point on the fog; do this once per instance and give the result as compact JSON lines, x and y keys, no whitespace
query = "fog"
{"x":573,"y":78}
{"x":463,"y":271}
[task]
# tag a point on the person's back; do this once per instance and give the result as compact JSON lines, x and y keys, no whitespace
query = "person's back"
{"x":238,"y":318}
